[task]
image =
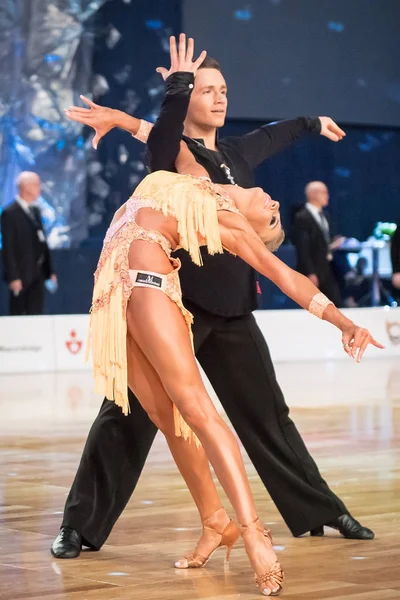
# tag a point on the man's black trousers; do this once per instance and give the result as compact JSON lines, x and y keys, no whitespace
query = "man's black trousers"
{"x":29,"y":301}
{"x":236,"y":359}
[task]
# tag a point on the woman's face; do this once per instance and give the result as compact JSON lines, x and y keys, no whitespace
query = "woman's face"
{"x":262,"y":213}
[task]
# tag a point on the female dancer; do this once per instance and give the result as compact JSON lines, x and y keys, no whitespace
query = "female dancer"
{"x":142,"y":337}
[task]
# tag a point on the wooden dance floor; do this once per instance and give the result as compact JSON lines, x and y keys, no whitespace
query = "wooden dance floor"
{"x":350,"y":418}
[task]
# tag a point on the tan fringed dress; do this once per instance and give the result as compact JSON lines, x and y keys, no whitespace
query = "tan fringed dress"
{"x":194,"y":203}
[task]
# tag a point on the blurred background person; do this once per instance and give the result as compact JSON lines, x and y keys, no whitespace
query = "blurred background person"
{"x":357,"y":283}
{"x":313,"y":241}
{"x":395,"y":256}
{"x":26,"y":255}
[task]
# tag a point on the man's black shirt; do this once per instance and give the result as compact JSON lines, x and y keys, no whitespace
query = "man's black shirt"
{"x":225,"y":285}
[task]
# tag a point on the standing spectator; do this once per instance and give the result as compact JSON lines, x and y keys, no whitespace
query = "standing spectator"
{"x":313,"y":241}
{"x":395,"y":255}
{"x":26,"y":255}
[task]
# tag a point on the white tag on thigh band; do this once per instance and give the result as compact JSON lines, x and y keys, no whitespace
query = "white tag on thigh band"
{"x":148,"y":279}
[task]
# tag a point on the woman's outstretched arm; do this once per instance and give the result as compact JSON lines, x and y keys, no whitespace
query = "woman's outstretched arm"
{"x":102,"y":119}
{"x":239,"y":237}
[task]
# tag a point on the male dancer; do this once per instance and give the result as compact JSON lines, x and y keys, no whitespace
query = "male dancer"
{"x":228,"y":342}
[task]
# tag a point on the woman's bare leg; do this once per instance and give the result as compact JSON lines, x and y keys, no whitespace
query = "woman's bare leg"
{"x":192,"y":462}
{"x":157,"y":326}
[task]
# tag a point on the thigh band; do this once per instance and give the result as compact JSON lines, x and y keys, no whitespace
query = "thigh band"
{"x":150,"y":279}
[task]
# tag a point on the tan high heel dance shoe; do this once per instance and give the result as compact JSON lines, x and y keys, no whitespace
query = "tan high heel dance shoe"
{"x":269,"y":582}
{"x":229,"y":535}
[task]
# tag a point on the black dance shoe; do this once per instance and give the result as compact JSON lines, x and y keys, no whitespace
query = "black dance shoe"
{"x":68,"y":544}
{"x":348,"y":527}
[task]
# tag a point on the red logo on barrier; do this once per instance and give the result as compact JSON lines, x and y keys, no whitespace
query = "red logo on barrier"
{"x":73,"y":345}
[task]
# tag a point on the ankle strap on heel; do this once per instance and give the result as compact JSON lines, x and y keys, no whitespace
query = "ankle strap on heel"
{"x":254,"y":527}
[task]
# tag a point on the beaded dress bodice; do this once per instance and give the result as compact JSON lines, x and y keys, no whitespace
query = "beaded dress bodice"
{"x":134,"y":204}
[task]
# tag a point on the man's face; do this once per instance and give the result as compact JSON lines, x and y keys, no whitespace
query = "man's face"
{"x":323,"y":196}
{"x":34,"y":189}
{"x":319,"y":195}
{"x":31,"y":188}
{"x":208,"y":103}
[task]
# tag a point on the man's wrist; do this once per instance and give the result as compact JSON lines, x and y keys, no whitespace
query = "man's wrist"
{"x":180,"y":82}
{"x":312,"y":124}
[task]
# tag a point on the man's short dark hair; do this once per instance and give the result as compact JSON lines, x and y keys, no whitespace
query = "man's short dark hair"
{"x":210,"y":63}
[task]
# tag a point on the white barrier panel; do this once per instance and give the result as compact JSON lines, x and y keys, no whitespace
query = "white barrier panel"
{"x":295,"y":335}
{"x":70,"y":338}
{"x":37,"y":344}
{"x":26,"y":344}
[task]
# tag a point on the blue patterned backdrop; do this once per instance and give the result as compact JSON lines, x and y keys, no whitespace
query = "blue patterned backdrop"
{"x":46,"y":59}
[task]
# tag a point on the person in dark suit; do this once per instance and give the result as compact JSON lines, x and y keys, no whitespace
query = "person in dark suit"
{"x":395,"y":256}
{"x":26,"y":255}
{"x":313,"y":241}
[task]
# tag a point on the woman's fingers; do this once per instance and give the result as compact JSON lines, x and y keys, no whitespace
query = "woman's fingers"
{"x":376,"y":344}
{"x":78,"y":117}
{"x":364,"y":341}
{"x":363,"y":348}
{"x":96,"y":139}
{"x":359,"y":337}
{"x":369,"y":340}
{"x":356,"y":340}
{"x":346,"y":341}
{"x":79,"y":110}
{"x":347,"y":349}
{"x":89,"y":102}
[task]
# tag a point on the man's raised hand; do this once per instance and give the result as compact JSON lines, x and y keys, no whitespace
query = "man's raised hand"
{"x":182,"y":57}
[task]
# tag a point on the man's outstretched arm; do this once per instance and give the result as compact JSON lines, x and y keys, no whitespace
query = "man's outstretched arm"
{"x":262,"y":143}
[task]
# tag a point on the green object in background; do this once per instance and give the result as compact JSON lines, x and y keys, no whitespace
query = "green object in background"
{"x":384,"y":231}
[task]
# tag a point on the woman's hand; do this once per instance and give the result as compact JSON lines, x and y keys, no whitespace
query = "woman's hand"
{"x":181,"y":58}
{"x":356,"y":339}
{"x":101,"y":118}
